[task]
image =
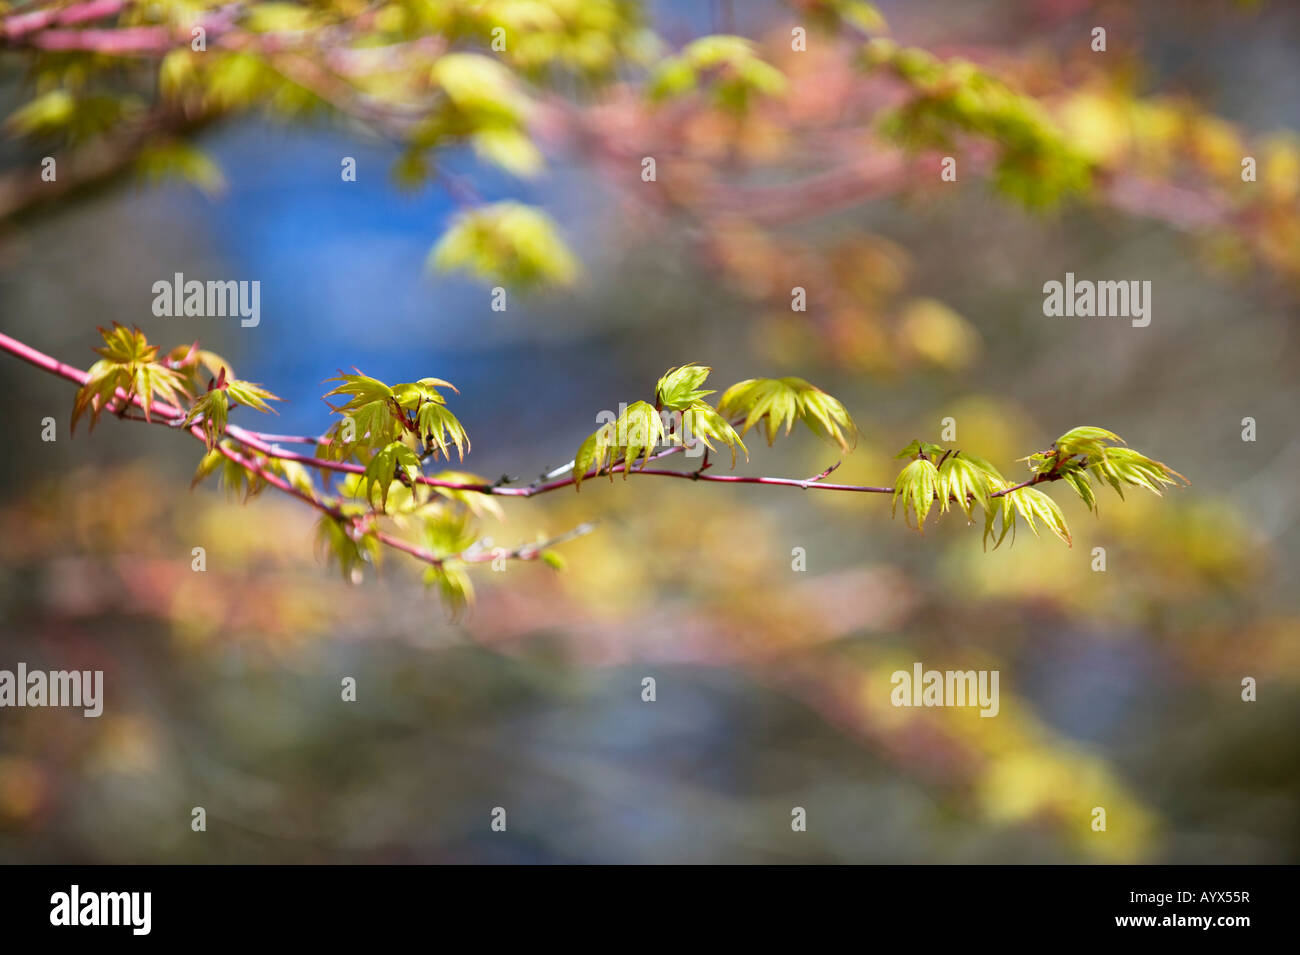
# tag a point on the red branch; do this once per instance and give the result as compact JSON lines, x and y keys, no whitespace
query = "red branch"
{"x":22,"y":24}
{"x":174,"y":417}
{"x":265,"y":444}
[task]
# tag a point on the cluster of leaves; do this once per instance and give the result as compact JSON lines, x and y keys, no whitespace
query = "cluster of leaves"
{"x":1086,"y":455}
{"x":947,"y":478}
{"x":679,"y":390}
{"x":636,"y":433}
{"x":680,"y":415}
{"x":72,"y":115}
{"x":213,"y":406}
{"x":509,"y":241}
{"x":835,"y":15}
{"x":295,"y":61}
{"x":449,"y":531}
{"x":165,"y":160}
{"x":343,"y":542}
{"x":129,"y":364}
{"x":439,"y":76}
{"x":1166,"y":138}
{"x":129,"y":368}
{"x":777,"y":401}
{"x":556,"y":39}
{"x":727,"y":68}
{"x":1037,"y":164}
{"x":240,"y":472}
{"x":443,"y":524}
{"x":390,"y":429}
{"x":216,"y":81}
{"x":480,"y":102}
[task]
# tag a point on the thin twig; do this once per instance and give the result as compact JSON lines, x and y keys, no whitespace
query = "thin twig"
{"x":266,"y":446}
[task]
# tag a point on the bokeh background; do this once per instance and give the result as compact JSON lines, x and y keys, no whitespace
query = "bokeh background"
{"x":1118,"y":689}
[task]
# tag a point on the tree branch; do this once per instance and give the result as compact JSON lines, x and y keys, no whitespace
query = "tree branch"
{"x":173,"y":417}
{"x":265,"y":444}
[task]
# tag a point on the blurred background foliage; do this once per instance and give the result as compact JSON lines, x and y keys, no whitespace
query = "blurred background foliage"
{"x":1119,"y":689}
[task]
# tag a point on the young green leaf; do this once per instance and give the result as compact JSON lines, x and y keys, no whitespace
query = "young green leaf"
{"x":1032,"y":503}
{"x":251,"y":395}
{"x":454,"y":587}
{"x":233,"y":477}
{"x":962,"y":482}
{"x":296,"y":474}
{"x":359,"y":389}
{"x":919,"y":448}
{"x":777,"y":402}
{"x":352,"y":550}
{"x":640,"y":430}
{"x":1078,"y":479}
{"x":388,"y":462}
{"x":509,"y":242}
{"x":702,"y":422}
{"x":679,"y":388}
{"x":999,"y":509}
{"x":130,"y":363}
{"x":370,"y":418}
{"x":992,"y":475}
{"x":1122,"y":466}
{"x":438,"y":428}
{"x":593,"y":450}
{"x":734,"y":73}
{"x":636,"y":433}
{"x":1087,"y":441}
{"x":915,"y":489}
{"x":214,"y":407}
{"x":449,"y":532}
{"x":174,"y":159}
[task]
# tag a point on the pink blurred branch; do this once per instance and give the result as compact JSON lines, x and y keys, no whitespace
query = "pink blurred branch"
{"x":19,"y":25}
